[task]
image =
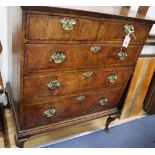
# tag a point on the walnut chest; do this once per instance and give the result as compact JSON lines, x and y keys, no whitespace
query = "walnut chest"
{"x":69,"y":66}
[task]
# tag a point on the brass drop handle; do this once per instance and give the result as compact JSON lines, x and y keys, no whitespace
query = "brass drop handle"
{"x":87,"y":74}
{"x":58,"y":57}
{"x":53,"y":84}
{"x":122,"y":55}
{"x":95,"y":49}
{"x":67,"y":24}
{"x":49,"y":112}
{"x":103,"y":101}
{"x":80,"y":98}
{"x":112,"y":78}
{"x":129,"y":29}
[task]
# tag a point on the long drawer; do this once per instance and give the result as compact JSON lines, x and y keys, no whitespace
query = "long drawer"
{"x":70,"y":107}
{"x":66,"y":28}
{"x":40,"y":88}
{"x":39,"y":57}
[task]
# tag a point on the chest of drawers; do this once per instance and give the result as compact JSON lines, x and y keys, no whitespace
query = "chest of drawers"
{"x":69,"y":66}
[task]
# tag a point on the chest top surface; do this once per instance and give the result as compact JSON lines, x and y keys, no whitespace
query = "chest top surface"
{"x":111,"y":12}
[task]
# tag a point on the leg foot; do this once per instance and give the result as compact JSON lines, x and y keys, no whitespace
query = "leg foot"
{"x":20,"y":141}
{"x":20,"y":144}
{"x":109,"y":120}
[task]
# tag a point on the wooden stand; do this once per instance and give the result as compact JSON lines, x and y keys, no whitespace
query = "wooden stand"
{"x":23,"y":135}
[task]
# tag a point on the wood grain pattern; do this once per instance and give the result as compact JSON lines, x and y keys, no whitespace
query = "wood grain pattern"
{"x":72,"y":83}
{"x":77,"y":57}
{"x":142,"y":10}
{"x":44,"y":27}
{"x":70,"y":107}
{"x":11,"y":128}
{"x":112,"y":12}
{"x":149,"y":101}
{"x":40,"y":27}
{"x":31,"y":87}
{"x":118,"y":34}
{"x":138,"y":87}
{"x":4,"y":140}
{"x":60,"y":134}
{"x":73,"y":131}
{"x":125,"y":10}
{"x":1,"y":140}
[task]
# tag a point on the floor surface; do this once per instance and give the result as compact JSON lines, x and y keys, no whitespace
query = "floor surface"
{"x":139,"y":133}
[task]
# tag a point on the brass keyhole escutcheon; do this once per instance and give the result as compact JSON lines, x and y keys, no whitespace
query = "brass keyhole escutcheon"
{"x":95,"y":49}
{"x":88,"y":74}
{"x":122,"y":55}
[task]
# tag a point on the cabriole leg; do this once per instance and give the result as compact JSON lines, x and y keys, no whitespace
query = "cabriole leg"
{"x":109,"y":120}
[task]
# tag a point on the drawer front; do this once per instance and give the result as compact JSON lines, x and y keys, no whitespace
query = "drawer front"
{"x":50,"y":28}
{"x":77,"y":56}
{"x":67,"y":108}
{"x":38,"y":88}
{"x":44,"y":27}
{"x":112,"y":30}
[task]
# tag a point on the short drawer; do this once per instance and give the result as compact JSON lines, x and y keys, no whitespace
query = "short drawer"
{"x":114,"y":31}
{"x":40,"y":57}
{"x":66,"y":28}
{"x":46,"y":27}
{"x":44,"y":87}
{"x":70,"y":107}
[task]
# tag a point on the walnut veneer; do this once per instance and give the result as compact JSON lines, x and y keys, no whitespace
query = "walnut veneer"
{"x":67,"y":66}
